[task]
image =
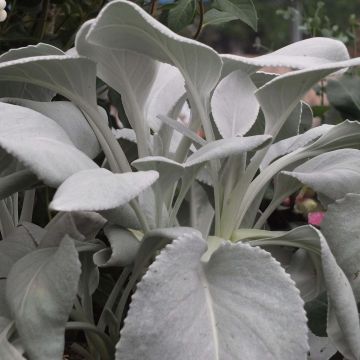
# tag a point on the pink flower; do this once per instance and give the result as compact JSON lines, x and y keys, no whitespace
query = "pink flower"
{"x":316,"y":217}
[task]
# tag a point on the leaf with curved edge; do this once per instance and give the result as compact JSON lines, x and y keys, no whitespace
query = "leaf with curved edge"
{"x":123,"y":248}
{"x":70,"y":118}
{"x":244,"y":10}
{"x":279,"y":96}
{"x":299,"y":55}
{"x":72,"y":77}
{"x":331,"y":174}
{"x":341,"y":227}
{"x":41,"y":288}
{"x":293,"y":143}
{"x":216,"y":17}
{"x":203,"y":313}
{"x":345,"y":134}
{"x":234,"y":105}
{"x":182,"y":14}
{"x":100,"y":189}
{"x":321,"y":348}
{"x":343,"y":321}
{"x":40,"y":144}
{"x":169,"y":171}
{"x":25,"y":90}
{"x":7,"y":350}
{"x":227,"y":147}
{"x":122,"y":25}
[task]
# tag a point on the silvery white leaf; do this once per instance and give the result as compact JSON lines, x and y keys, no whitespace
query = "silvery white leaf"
{"x":71,"y":119}
{"x":345,"y":134}
{"x":100,"y":189}
{"x":293,"y":143}
{"x":227,"y":147}
{"x":41,"y":144}
{"x":341,"y":227}
{"x":24,"y":89}
{"x":279,"y":96}
{"x":40,"y":316}
{"x":72,"y":77}
{"x":7,"y":350}
{"x":299,"y":55}
{"x":123,"y":248}
{"x":234,"y":105}
{"x":332,"y":174}
{"x":186,"y":309}
{"x":169,"y":171}
{"x":121,"y":25}
{"x":343,"y":321}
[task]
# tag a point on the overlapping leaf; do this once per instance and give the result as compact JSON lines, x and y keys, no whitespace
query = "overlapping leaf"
{"x":214,"y":310}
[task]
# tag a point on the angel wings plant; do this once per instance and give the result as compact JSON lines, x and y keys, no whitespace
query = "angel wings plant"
{"x":197,"y":275}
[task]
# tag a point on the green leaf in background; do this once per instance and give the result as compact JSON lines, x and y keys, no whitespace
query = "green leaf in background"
{"x":243,"y":10}
{"x":344,"y":95}
{"x":182,"y":14}
{"x":216,"y":17}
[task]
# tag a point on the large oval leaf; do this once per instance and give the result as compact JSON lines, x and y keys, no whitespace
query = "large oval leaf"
{"x":100,"y":189}
{"x":70,"y":118}
{"x":186,"y":309}
{"x":40,"y":144}
{"x":234,"y":104}
{"x":41,"y":288}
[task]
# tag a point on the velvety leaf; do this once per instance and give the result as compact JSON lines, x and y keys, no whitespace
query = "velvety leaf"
{"x":343,"y":321}
{"x":299,"y":55}
{"x":181,"y":14}
{"x":41,"y":144}
{"x":227,"y":147}
{"x":341,"y":227}
{"x":332,"y":174}
{"x":71,"y":119}
{"x":186,"y":309}
{"x":293,"y":143}
{"x":100,"y":189}
{"x":121,"y":24}
{"x":72,"y":77}
{"x":280,"y":96}
{"x":234,"y":105}
{"x":123,"y":248}
{"x":41,"y":288}
{"x":244,"y":10}
{"x":169,"y":171}
{"x":23,"y":89}
{"x":345,"y":134}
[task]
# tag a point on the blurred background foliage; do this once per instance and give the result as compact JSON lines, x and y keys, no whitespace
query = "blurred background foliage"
{"x":280,"y":22}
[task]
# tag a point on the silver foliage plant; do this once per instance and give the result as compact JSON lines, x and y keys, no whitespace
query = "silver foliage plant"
{"x":204,"y":279}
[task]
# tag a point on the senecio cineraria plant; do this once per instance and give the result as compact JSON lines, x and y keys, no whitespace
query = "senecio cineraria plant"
{"x":200,"y":279}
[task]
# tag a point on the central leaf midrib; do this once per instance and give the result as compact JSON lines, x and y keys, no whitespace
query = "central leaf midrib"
{"x":209,"y":303}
